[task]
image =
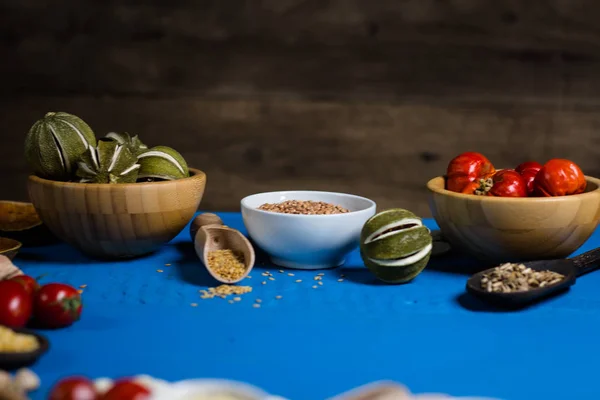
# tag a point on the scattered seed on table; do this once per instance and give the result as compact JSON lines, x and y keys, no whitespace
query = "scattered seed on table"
{"x":321,"y":274}
{"x":223,"y":291}
{"x":237,"y":299}
{"x":317,"y":278}
{"x":167,"y":265}
{"x":320,"y":283}
{"x":194,"y":304}
{"x":159,"y":270}
{"x":264,"y":283}
{"x":340,"y":280}
{"x":231,"y":301}
{"x":314,"y":287}
{"x":83,"y":286}
{"x":271,"y":278}
{"x":248,"y":277}
{"x":256,"y":305}
{"x":290,"y":274}
{"x":80,"y":291}
{"x":264,"y":274}
{"x":258,"y":301}
{"x":278,"y":297}
{"x":281,"y":271}
{"x":298,"y":280}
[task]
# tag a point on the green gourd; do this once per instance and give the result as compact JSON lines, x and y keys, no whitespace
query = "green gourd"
{"x":109,"y":162}
{"x":54,"y":144}
{"x":162,"y":162}
{"x":395,"y":245}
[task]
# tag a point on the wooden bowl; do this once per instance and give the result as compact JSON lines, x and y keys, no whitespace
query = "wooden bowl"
{"x":113,"y":221}
{"x":499,"y":229}
{"x":14,"y":361}
{"x":9,"y":247}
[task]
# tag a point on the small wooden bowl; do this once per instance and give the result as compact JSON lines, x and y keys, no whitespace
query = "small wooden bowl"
{"x":500,"y":229}
{"x":20,"y":221}
{"x":9,"y":247}
{"x":13,"y":361}
{"x":114,"y":221}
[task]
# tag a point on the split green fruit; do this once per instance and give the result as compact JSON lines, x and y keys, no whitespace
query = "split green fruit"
{"x":395,"y":245}
{"x":162,"y":162}
{"x":55,"y":143}
{"x":109,"y":162}
{"x":133,"y":143}
{"x":63,"y":147}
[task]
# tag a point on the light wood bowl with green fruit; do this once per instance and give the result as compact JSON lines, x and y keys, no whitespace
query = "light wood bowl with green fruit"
{"x":117,"y":220}
{"x":112,"y":197}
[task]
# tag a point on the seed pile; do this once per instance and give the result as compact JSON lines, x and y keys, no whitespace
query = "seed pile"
{"x":304,"y":207}
{"x":13,"y":342}
{"x":510,"y":277}
{"x":223,"y":291}
{"x":228,"y":264}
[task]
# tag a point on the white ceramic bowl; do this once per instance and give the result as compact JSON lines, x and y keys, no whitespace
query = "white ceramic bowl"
{"x":306,"y":241}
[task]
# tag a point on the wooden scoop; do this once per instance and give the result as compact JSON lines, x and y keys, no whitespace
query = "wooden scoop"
{"x":208,"y":234}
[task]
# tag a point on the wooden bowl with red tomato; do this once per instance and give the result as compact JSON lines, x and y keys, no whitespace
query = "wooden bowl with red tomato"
{"x":534,"y":211}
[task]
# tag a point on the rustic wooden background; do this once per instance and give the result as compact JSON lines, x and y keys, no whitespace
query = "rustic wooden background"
{"x":361,"y":96}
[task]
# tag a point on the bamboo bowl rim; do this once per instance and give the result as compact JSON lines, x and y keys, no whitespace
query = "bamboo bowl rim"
{"x":437,"y":185}
{"x":194,"y":175}
{"x":8,"y":244}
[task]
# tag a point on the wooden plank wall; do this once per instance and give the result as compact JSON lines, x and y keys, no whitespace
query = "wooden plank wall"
{"x":368,"y":97}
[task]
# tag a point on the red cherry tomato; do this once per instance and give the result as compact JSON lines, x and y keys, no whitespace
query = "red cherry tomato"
{"x":74,"y":388}
{"x":528,"y":171}
{"x":127,"y":389}
{"x":57,"y":305}
{"x":559,"y":177}
{"x":508,"y":183}
{"x":467,"y":168}
{"x":15,"y":304}
{"x":29,"y":283}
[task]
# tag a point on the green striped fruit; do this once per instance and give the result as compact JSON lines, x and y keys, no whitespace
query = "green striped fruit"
{"x":55,"y":143}
{"x":162,"y":162}
{"x":133,"y":143}
{"x":109,"y":162}
{"x":395,"y":245}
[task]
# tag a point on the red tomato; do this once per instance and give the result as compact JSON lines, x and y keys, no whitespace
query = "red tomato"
{"x":74,"y":388}
{"x":527,"y":165}
{"x":471,"y":188}
{"x":559,"y":177}
{"x":127,"y":389}
{"x":508,"y":183}
{"x":528,"y":171}
{"x":29,"y":283}
{"x":57,"y":305}
{"x":467,"y":168}
{"x":15,"y":304}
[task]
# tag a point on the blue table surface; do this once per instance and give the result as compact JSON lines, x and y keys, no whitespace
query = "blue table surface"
{"x":316,"y":343}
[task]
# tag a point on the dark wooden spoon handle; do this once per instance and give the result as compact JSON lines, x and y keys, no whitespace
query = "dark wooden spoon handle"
{"x":587,"y":262}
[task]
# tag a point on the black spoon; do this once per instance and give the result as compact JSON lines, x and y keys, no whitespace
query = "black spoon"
{"x":571,"y":268}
